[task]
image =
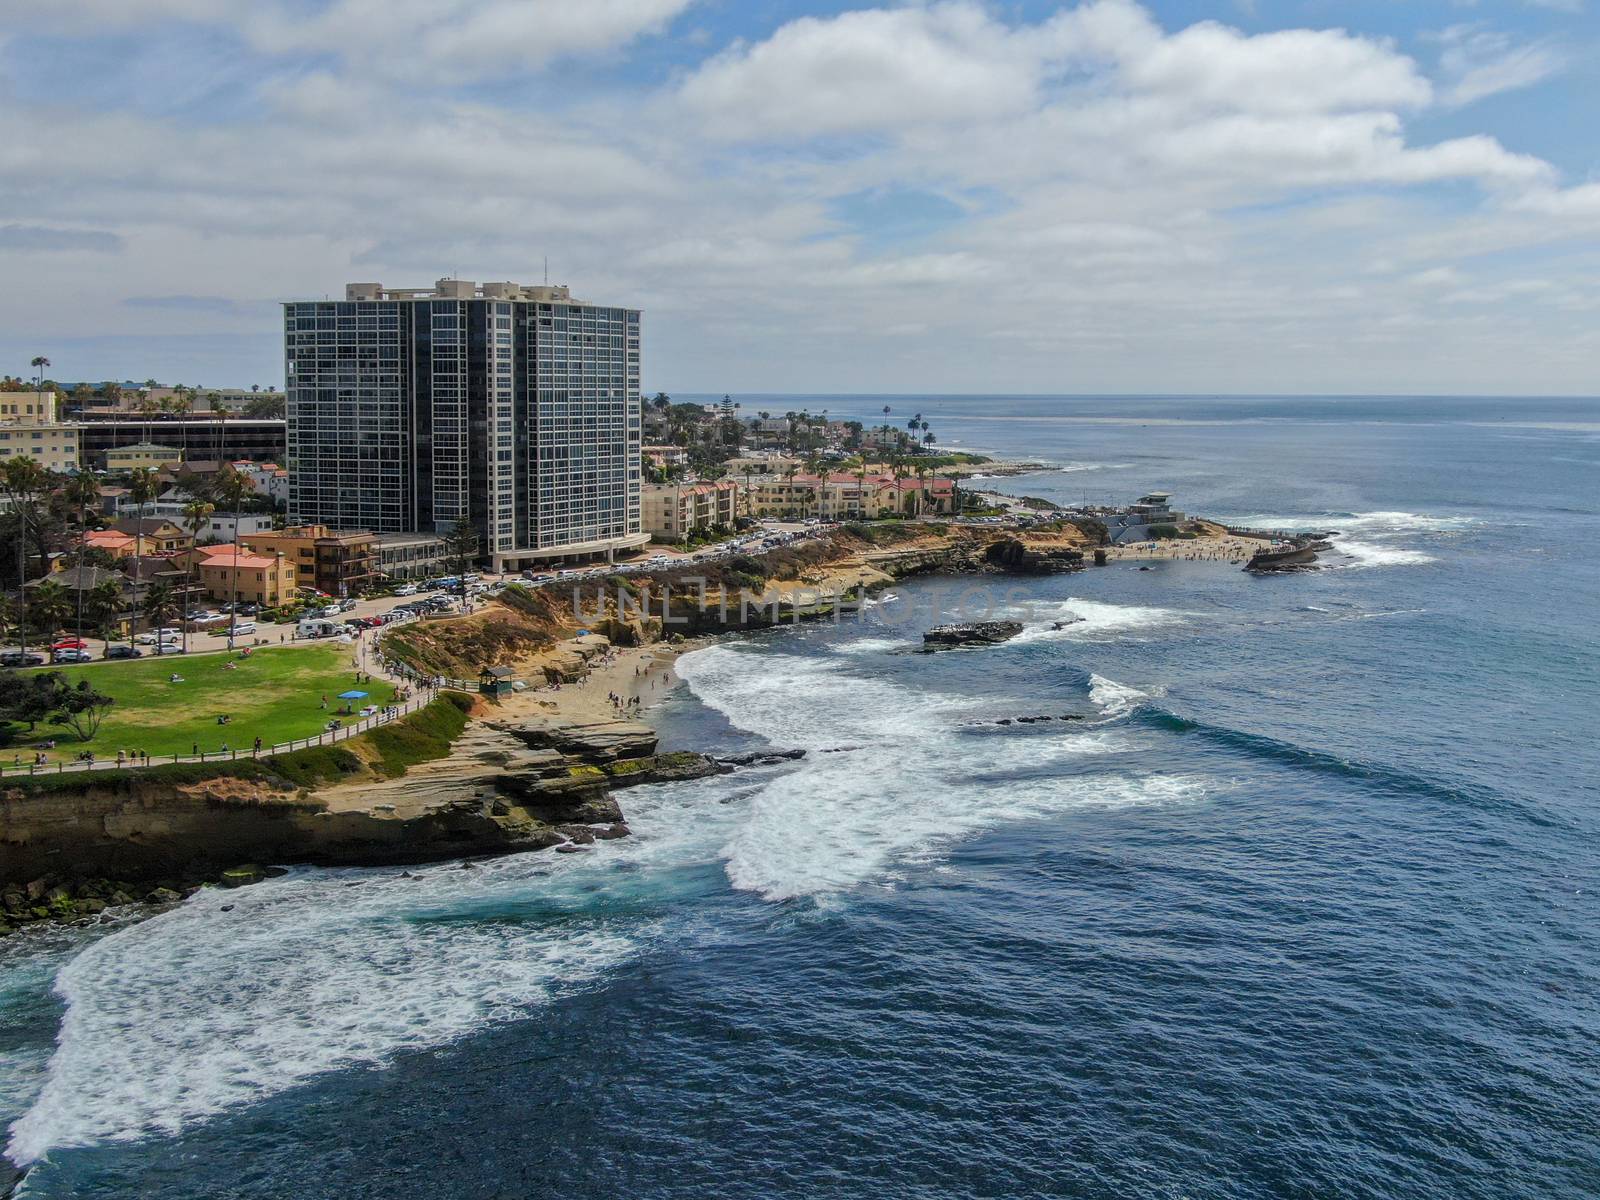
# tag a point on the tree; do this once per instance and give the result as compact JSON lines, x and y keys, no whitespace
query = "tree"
{"x":23,"y":480}
{"x":266,"y":407}
{"x":160,"y":605}
{"x":142,"y":488}
{"x":230,"y":490}
{"x":28,"y":697}
{"x":196,"y":516}
{"x":80,"y":708}
{"x":104,"y":604}
{"x":81,"y":492}
{"x":181,"y":405}
{"x":461,"y":547}
{"x":148,"y":408}
{"x":814,"y":468}
{"x":49,"y":608}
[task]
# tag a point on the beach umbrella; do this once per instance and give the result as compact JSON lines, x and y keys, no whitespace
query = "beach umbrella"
{"x":352,"y":695}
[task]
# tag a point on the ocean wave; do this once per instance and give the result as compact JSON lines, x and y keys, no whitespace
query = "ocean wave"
{"x":839,"y":820}
{"x":1373,"y":554}
{"x":198,"y":1011}
{"x":1114,"y":698}
{"x":1093,"y":620}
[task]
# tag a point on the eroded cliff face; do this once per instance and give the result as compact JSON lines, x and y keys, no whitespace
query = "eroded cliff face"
{"x":69,"y":850}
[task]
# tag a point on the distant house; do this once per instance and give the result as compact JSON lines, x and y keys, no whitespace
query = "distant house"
{"x":226,"y":571}
{"x":142,"y":455}
{"x":157,"y":535}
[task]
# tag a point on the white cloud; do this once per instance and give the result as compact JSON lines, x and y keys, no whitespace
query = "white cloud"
{"x":467,"y":38}
{"x":866,"y":71}
{"x":1476,"y":62}
{"x":1138,"y":208}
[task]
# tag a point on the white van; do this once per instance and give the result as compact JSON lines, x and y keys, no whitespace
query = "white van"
{"x":244,"y":627}
{"x":406,"y":589}
{"x":316,"y":627}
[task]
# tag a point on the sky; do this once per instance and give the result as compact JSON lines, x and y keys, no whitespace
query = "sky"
{"x":1241,"y":196}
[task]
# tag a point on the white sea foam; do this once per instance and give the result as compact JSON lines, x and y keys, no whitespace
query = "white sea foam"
{"x":1374,"y":554}
{"x":859,"y":647}
{"x":1093,"y":620}
{"x":912,"y":785}
{"x":1115,"y":698}
{"x":1377,"y":534}
{"x":199,"y":1011}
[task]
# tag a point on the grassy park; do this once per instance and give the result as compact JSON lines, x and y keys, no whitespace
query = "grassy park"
{"x":274,"y":694}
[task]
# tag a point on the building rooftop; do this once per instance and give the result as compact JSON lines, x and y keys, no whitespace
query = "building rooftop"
{"x":462,"y":289}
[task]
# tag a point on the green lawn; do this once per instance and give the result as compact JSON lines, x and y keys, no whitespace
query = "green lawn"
{"x":275,"y":694}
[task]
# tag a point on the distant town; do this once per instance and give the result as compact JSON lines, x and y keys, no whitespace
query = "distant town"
{"x":422,"y":432}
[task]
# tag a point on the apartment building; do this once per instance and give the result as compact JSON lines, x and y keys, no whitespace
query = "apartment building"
{"x":224,"y":572}
{"x":674,"y":511}
{"x":338,"y":562}
{"x":29,"y":428}
{"x":512,"y":407}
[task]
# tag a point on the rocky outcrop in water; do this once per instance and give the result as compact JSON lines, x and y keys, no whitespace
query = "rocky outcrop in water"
{"x":970,"y":633}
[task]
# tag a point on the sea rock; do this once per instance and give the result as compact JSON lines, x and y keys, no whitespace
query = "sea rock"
{"x":592,"y":741}
{"x":1012,"y":554}
{"x":763,"y":758}
{"x":970,"y":633}
{"x":662,"y":768}
{"x":162,"y":895}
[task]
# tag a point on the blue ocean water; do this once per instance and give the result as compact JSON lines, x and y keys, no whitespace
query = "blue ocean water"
{"x":1301,"y":904}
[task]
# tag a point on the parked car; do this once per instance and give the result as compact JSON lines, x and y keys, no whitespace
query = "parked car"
{"x":169,"y":648}
{"x":244,"y":627}
{"x":145,"y":639}
{"x":71,"y":644}
{"x":406,"y":589}
{"x":15,"y":658}
{"x":71,"y":655}
{"x":124,"y":652}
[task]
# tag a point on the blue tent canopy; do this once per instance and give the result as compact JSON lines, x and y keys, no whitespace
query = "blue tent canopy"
{"x":352,"y":695}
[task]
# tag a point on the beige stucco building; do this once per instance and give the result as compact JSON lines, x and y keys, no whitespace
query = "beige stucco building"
{"x":29,"y":429}
{"x":672,"y":511}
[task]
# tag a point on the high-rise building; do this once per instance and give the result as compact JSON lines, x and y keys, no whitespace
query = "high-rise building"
{"x":515,"y":408}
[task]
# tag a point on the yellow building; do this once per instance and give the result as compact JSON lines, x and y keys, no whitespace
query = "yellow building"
{"x":265,"y":579}
{"x":142,"y":454}
{"x":29,"y":429}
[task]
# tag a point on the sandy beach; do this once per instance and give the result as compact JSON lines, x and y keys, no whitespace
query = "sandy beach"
{"x":629,"y":673}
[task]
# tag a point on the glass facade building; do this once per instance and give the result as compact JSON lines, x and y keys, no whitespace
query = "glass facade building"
{"x":515,"y":408}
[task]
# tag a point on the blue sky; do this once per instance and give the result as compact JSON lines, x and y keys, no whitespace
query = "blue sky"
{"x":1252,"y":195}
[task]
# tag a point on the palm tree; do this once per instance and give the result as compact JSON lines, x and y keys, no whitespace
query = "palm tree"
{"x":23,"y":480}
{"x":142,"y":488}
{"x":148,"y":408}
{"x":105,"y":606}
{"x":196,"y":515}
{"x":231,"y":489}
{"x":39,"y":363}
{"x":82,"y":489}
{"x":181,"y":405}
{"x":814,"y":467}
{"x":49,"y":607}
{"x":160,"y":605}
{"x":789,"y":473}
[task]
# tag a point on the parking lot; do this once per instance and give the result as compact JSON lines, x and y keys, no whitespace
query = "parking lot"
{"x":254,"y":631}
